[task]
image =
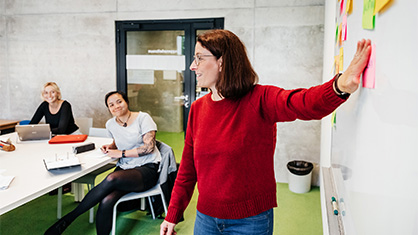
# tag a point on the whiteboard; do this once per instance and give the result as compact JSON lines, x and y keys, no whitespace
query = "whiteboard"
{"x":374,"y":148}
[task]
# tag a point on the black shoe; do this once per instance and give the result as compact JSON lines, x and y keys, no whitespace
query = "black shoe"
{"x":57,"y":228}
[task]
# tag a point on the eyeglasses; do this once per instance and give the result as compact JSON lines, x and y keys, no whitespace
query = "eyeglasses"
{"x":198,"y":58}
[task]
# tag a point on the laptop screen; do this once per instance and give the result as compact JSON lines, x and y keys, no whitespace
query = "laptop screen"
{"x":33,"y":132}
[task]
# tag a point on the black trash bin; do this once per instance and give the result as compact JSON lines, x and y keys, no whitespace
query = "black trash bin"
{"x":300,"y":176}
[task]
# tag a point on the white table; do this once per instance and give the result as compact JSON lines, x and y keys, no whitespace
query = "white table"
{"x":32,"y":180}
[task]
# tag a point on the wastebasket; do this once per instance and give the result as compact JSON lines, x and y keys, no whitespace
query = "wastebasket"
{"x":300,"y":176}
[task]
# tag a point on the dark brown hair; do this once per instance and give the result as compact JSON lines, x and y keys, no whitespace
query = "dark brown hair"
{"x":123,"y":94}
{"x":237,"y":76}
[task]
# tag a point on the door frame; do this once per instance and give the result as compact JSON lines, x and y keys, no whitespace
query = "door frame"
{"x":190,"y":26}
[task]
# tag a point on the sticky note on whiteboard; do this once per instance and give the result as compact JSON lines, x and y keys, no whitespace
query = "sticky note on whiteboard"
{"x":370,"y":71}
{"x":344,"y":26}
{"x":368,"y":14}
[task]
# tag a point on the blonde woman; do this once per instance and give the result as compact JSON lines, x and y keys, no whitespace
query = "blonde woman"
{"x":57,"y":112}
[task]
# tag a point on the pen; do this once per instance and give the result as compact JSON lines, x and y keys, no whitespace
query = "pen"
{"x":342,"y":207}
{"x":334,"y":206}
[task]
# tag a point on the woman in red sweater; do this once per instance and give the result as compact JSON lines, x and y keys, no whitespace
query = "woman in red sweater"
{"x":231,"y":136}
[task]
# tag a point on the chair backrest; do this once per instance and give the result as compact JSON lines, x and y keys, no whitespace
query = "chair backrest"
{"x":84,"y":124}
{"x":24,"y":122}
{"x":98,"y":132}
{"x":168,"y":161}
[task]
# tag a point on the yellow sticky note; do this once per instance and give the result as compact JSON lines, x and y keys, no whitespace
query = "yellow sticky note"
{"x":337,"y":62}
{"x":341,"y":59}
{"x":332,"y":70}
{"x":368,"y":14}
{"x":348,"y":6}
{"x":380,"y":4}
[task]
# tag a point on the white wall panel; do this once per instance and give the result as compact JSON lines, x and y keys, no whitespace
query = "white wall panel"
{"x":4,"y":91}
{"x":286,"y":3}
{"x":73,"y":43}
{"x":14,"y":7}
{"x":163,"y":5}
{"x":76,"y":51}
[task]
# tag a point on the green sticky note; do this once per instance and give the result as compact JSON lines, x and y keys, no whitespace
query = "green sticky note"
{"x":334,"y":118}
{"x":336,"y":33}
{"x":368,"y":14}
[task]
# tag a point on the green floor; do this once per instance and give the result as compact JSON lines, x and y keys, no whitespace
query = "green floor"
{"x":296,"y":214}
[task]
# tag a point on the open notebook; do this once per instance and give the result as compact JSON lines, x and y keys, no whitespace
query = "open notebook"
{"x":59,"y":162}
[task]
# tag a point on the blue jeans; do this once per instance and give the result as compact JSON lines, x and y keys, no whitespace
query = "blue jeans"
{"x":261,"y":224}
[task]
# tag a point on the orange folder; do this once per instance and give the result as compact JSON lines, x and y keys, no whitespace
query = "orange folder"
{"x":64,"y":139}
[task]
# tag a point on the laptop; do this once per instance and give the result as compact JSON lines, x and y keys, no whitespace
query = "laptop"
{"x":33,"y":132}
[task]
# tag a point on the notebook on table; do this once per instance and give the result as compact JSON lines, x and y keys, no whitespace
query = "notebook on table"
{"x":33,"y":132}
{"x":65,"y":139}
{"x":59,"y":162}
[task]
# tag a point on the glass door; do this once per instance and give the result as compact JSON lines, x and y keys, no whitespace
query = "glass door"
{"x":155,"y":65}
{"x":153,"y":59}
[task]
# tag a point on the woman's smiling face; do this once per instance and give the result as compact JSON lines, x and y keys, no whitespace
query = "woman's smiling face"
{"x":50,"y":95}
{"x":206,"y":67}
{"x":117,"y":105}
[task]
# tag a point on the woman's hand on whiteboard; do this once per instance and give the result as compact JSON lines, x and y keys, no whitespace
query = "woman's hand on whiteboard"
{"x":350,"y":79}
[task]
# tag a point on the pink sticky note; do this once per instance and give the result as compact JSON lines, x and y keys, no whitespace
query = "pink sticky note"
{"x":344,"y":25}
{"x":370,"y":71}
{"x":341,"y":7}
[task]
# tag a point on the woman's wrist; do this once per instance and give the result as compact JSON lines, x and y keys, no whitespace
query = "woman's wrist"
{"x":337,"y":89}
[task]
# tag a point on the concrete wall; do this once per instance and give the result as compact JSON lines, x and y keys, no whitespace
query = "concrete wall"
{"x":72,"y":43}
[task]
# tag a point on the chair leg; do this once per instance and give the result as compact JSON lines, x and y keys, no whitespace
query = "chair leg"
{"x":115,"y":211}
{"x":78,"y":191}
{"x":165,"y":205}
{"x":91,"y":218}
{"x":143,"y":204}
{"x":59,"y":203}
{"x":152,"y":209}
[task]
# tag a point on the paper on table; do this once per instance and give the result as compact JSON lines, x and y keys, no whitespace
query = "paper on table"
{"x":97,"y":153}
{"x":5,"y":181}
{"x":57,"y":162}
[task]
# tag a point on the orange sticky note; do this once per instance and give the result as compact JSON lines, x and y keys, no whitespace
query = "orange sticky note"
{"x":379,"y":5}
{"x":339,"y":34}
{"x":370,"y":71}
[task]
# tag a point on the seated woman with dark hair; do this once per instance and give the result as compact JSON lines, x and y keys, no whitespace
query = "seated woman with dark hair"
{"x":134,"y":145}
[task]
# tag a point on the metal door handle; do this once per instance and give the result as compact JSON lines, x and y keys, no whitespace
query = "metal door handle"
{"x":184,"y":98}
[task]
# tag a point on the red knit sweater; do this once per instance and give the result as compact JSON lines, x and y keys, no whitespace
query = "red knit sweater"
{"x":230,"y":145}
